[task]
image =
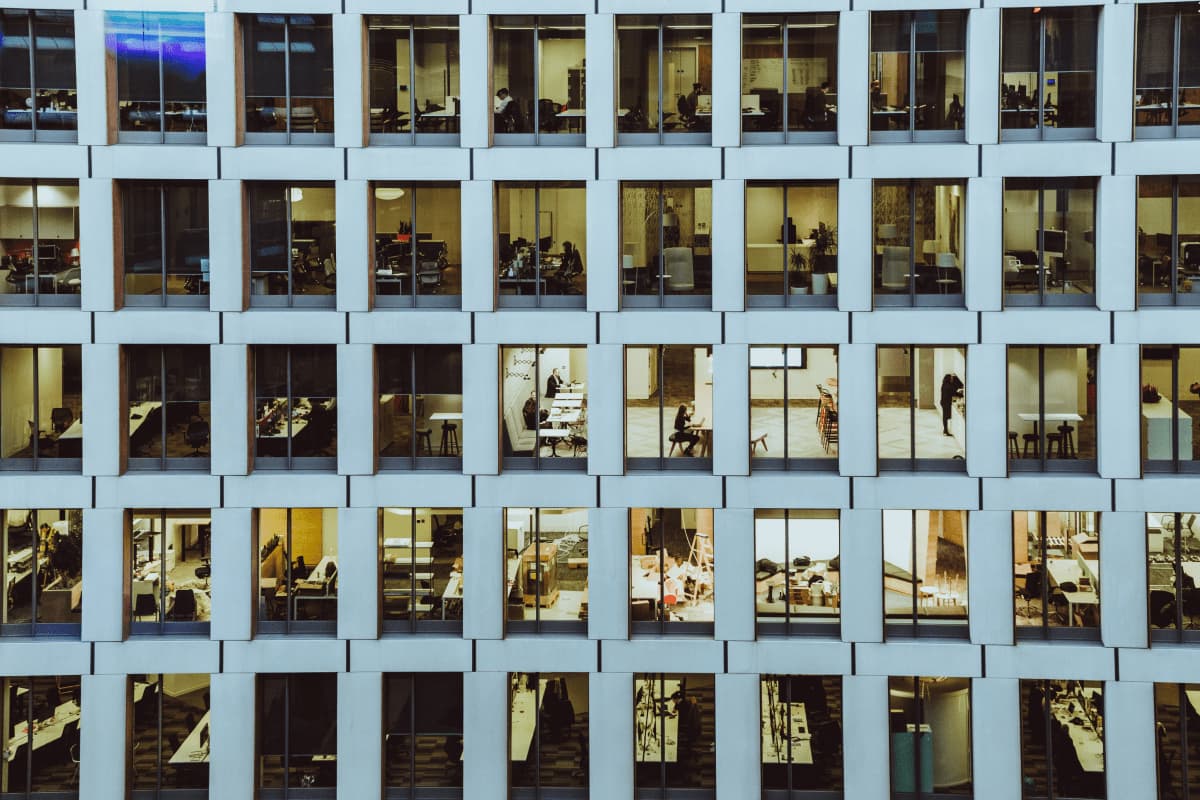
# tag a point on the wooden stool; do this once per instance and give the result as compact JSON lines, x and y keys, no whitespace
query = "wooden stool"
{"x":1054,"y":445}
{"x":423,"y":437}
{"x":1013,"y":450}
{"x":449,"y":440}
{"x":1067,"y":445}
{"x":1030,"y":439}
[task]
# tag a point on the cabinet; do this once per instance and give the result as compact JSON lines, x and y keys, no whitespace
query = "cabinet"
{"x":546,"y":555}
{"x":577,"y":87}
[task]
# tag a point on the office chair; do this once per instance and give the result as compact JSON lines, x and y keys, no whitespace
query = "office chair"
{"x":197,"y":434}
{"x":61,"y":418}
{"x":185,"y":605}
{"x":144,"y":605}
{"x":677,"y":266}
{"x":1032,"y":591}
{"x":204,"y":572}
{"x":1162,"y":608}
{"x":1191,"y":607}
{"x":548,"y":120}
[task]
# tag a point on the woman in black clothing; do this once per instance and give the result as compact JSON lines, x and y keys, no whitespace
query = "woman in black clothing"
{"x":951,"y":388}
{"x":682,"y":433}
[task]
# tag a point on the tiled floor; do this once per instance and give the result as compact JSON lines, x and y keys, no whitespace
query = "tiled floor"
{"x":801,"y":438}
{"x":930,"y":442}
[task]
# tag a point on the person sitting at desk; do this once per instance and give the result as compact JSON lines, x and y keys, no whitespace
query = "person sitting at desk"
{"x":877,"y":103}
{"x":571,"y":266}
{"x":683,"y":432}
{"x":534,"y":418}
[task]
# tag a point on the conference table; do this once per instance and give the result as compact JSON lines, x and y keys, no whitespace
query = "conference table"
{"x":1088,"y":743}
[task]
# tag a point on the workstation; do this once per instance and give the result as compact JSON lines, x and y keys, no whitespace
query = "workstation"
{"x":1168,"y":233}
{"x":1056,"y":571}
{"x":170,"y":567}
{"x":544,"y":404}
{"x":298,"y":578}
{"x":40,"y":720}
{"x":413,"y":86}
{"x":917,"y":81}
{"x":422,"y":559}
{"x":418,"y":241}
{"x":800,"y":720}
{"x":788,"y":64}
{"x":793,"y":404}
{"x":1066,"y":718}
{"x":658,"y":382}
{"x":674,"y":731}
{"x":797,"y":575}
{"x":41,"y":392}
{"x":660,"y":63}
{"x":672,"y":566}
{"x":548,"y":730}
{"x":666,"y":231}
{"x":1049,"y":237}
{"x":39,"y":241}
{"x":170,"y":731}
{"x":541,"y":62}
{"x":293,"y":243}
{"x":1173,"y":560}
{"x":41,"y":558}
{"x":541,"y":242}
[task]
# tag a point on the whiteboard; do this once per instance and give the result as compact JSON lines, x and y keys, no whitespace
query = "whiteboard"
{"x":767,"y":73}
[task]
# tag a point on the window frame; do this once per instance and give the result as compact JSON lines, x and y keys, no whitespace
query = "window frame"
{"x":288,"y":626}
{"x":659,"y":297}
{"x":162,"y":625}
{"x":34,"y":684}
{"x":292,"y":298}
{"x":571,"y":463}
{"x":1178,"y":461}
{"x":660,"y":136}
{"x":537,"y":791}
{"x":34,"y":133}
{"x":796,"y":787}
{"x":328,"y":792}
{"x":539,"y":299}
{"x":415,"y":791}
{"x":1174,"y":296}
{"x":918,"y":625}
{"x":163,"y":298}
{"x":536,"y":23}
{"x":912,"y":298}
{"x":785,"y":135}
{"x":34,"y":627}
{"x":1043,"y":463}
{"x":1045,"y":631}
{"x":786,"y":298}
{"x":1181,"y":632}
{"x":537,"y":625}
{"x":409,"y":22}
{"x":1188,"y":729}
{"x":40,"y":298}
{"x":414,"y":355}
{"x":163,"y":462}
{"x":1042,"y":297}
{"x":1172,"y":129}
{"x":412,"y":298}
{"x":663,"y":461}
{"x":286,"y":136}
{"x":911,"y":133}
{"x":826,"y":406}
{"x":667,"y":785}
{"x":290,"y":461}
{"x":1045,"y":748}
{"x":662,"y":625}
{"x":413,"y":625}
{"x":913,"y":462}
{"x":828,"y":624}
{"x":160,"y":748}
{"x":918,"y":702}
{"x":37,"y":462}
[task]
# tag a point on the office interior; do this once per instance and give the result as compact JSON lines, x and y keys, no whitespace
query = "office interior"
{"x":41,"y":556}
{"x":297,"y":549}
{"x":1049,"y":236}
{"x":413,"y":80}
{"x":422,"y":561}
{"x":297,"y":731}
{"x":1173,"y":561}
{"x":1062,"y":738}
{"x":170,"y":732}
{"x":420,"y":403}
{"x":793,"y":404}
{"x":170,"y":566}
{"x":925,"y":566}
{"x":167,"y":401}
{"x":544,"y":402}
{"x":1052,"y":404}
{"x":548,"y":734}
{"x":288,"y":74}
{"x":801,"y":734}
{"x":1166,"y":84}
{"x":674,"y":730}
{"x":39,"y":80}
{"x":930,"y":732}
{"x":921,"y":53}
{"x":809,"y":56}
{"x":783,"y":223}
{"x":39,"y":238}
{"x":912,"y":419}
{"x":666,"y":235}
{"x":1177,"y":724}
{"x":1167,"y":207}
{"x":163,"y":238}
{"x":681,"y":47}
{"x":293,"y":240}
{"x":1169,"y":406}
{"x":1056,"y":569}
{"x":160,"y":72}
{"x":418,"y":232}
{"x":797,"y":569}
{"x":40,"y":718}
{"x":546,"y":557}
{"x":41,"y":402}
{"x":541,"y":60}
{"x":295,"y":403}
{"x":535,"y":224}
{"x":672,"y":565}
{"x":919,"y":237}
{"x":424,"y":731}
{"x":661,"y":383}
{"x":1059,"y":80}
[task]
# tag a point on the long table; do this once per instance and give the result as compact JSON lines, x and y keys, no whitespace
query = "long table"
{"x":192,"y":751}
{"x":524,"y":713}
{"x":1089,"y":745}
{"x":656,"y":728}
{"x":775,"y":749}
{"x":44,"y":731}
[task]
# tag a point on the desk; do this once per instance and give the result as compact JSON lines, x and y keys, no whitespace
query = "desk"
{"x":1089,"y":746}
{"x":45,"y":731}
{"x":574,"y":117}
{"x":444,"y":416}
{"x":139,"y":413}
{"x":1064,"y":570}
{"x":192,"y":751}
{"x":704,"y":429}
{"x":772,"y":711}
{"x":1048,"y":417}
{"x":453,"y":592}
{"x":1193,"y":697}
{"x":523,"y":715}
{"x":656,"y":741}
{"x":1158,"y":430}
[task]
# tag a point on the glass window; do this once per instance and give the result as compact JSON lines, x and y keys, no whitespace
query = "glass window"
{"x":167,"y":402}
{"x":161,"y":92}
{"x":170,"y":568}
{"x":1056,"y":566}
{"x":1173,"y":564}
{"x":666,"y":252}
{"x":297,"y":735}
{"x":674,"y":733}
{"x":664,"y":79}
{"x":539,"y":77}
{"x":429,"y":215}
{"x":541,"y":233}
{"x":919,"y":242}
{"x":1048,"y":73}
{"x":39,"y":243}
{"x":41,"y":408}
{"x":413,"y":80}
{"x":801,"y":724}
{"x":921,"y":55}
{"x":922,"y":414}
{"x":668,"y":407}
{"x":42,"y":568}
{"x":170,"y":734}
{"x":544,"y":398}
{"x":1170,"y":400}
{"x":37,"y":76}
{"x":797,"y":571}
{"x":548,"y":734}
{"x":1062,"y":739}
{"x":1176,"y":726}
{"x":793,"y":408}
{"x":1166,"y":95}
{"x":1168,"y":220}
{"x":297,"y":573}
{"x":423,"y":737}
{"x":1049,"y":241}
{"x":422,"y":587}
{"x":295,"y":407}
{"x":797,"y":103}
{"x":925,"y":573}
{"x":288,"y":64}
{"x":930,"y":732}
{"x":791,"y":243}
{"x":36,"y":709}
{"x":546,"y":551}
{"x":163,"y":241}
{"x":1052,"y":408}
{"x":671,"y":574}
{"x":293,"y":244}
{"x":420,"y":395}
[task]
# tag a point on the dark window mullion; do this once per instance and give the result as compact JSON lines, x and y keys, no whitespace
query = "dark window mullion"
{"x":37,"y":261}
{"x":537,"y":220}
{"x":1041,"y":111}
{"x":162,"y":235}
{"x":287,"y":91}
{"x":158,"y":724}
{"x":787,"y":573}
{"x":912,"y":409}
{"x":412,"y":233}
{"x":1176,"y":41}
{"x":783,"y":189}
{"x":412,"y":106}
{"x":415,"y":450}
{"x":536,"y":94}
{"x":162,"y":104}
{"x":162,"y":418}
{"x":1044,"y":519}
{"x":912,"y":75}
{"x":537,"y":569}
{"x":1175,"y":356}
{"x":412,"y":716}
{"x":287,"y":571}
{"x":784,"y":107}
{"x":287,"y":255}
{"x":1043,"y":441}
{"x":786,"y":458}
{"x":37,"y":417}
{"x":1175,"y":267}
{"x":33,"y":124}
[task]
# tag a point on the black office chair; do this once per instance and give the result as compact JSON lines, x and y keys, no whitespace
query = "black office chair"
{"x":61,"y":419}
{"x":548,"y":119}
{"x":1191,"y":607}
{"x":185,"y":606}
{"x":300,"y":570}
{"x":144,"y":605}
{"x":197,"y":435}
{"x":204,"y":572}
{"x":1162,"y":609}
{"x":1032,"y":591}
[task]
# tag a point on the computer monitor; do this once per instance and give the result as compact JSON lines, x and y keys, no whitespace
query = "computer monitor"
{"x":787,"y":232}
{"x":1054,"y":242}
{"x":424,"y":237}
{"x":544,"y":243}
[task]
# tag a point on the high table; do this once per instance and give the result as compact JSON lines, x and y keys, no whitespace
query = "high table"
{"x":1158,"y":418}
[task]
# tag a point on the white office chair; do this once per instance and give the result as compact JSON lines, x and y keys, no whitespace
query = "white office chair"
{"x":677,"y":266}
{"x":896,"y":263}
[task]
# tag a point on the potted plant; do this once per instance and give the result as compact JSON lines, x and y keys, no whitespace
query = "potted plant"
{"x":1186,"y":285}
{"x":797,"y":274}
{"x":824,"y":256}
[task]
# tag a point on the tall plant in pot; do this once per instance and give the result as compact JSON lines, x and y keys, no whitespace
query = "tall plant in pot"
{"x":797,"y":271}
{"x":824,"y":256}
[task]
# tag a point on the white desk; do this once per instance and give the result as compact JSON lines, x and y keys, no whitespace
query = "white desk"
{"x":524,"y":716}
{"x":138,"y":413}
{"x":44,"y":731}
{"x":1034,"y":417}
{"x":776,"y":751}
{"x":1064,"y":570}
{"x":420,"y":545}
{"x":1193,"y":697}
{"x":656,"y":728}
{"x":1158,"y":431}
{"x":1089,"y":746}
{"x":569,"y":396}
{"x":442,"y":416}
{"x":191,"y":751}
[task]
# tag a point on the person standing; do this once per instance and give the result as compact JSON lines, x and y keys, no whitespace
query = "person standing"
{"x":951,"y":388}
{"x":553,"y":383}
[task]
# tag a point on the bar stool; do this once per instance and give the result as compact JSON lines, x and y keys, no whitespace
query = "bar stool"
{"x":1030,"y":439}
{"x":449,"y":440}
{"x":423,"y":437}
{"x":1013,"y":450}
{"x":1054,"y":445}
{"x":1067,"y":445}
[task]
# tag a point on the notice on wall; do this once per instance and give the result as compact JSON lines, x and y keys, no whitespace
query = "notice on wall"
{"x":767,"y":73}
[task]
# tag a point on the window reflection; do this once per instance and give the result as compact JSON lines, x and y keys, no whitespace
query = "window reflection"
{"x":37,"y":90}
{"x":1056,"y":563}
{"x":795,"y":94}
{"x":39,"y":243}
{"x":43,"y":752}
{"x":1175,"y":725}
{"x":164,"y":241}
{"x":1048,"y":73}
{"x":160,"y":67}
{"x":674,"y":733}
{"x":167,"y":405}
{"x":917,"y":88}
{"x":672,"y":575}
{"x":801,"y":724}
{"x":664,"y":79}
{"x":288,"y":63}
{"x":297,"y":733}
{"x":171,"y":730}
{"x":295,"y":406}
{"x":298,"y":569}
{"x":170,"y":571}
{"x":41,"y":562}
{"x":925,"y":572}
{"x":422,"y":586}
{"x":423,"y":733}
{"x":41,"y":392}
{"x":546,"y":550}
{"x":548,"y":733}
{"x":293,"y":244}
